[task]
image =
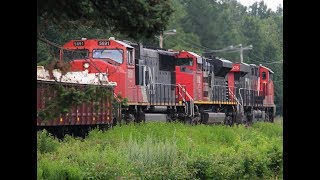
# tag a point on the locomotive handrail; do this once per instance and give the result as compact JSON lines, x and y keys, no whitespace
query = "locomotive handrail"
{"x":191,"y":100}
{"x":184,"y":100}
{"x":241,"y":98}
{"x":233,"y":95}
{"x":152,"y":86}
{"x":119,"y":106}
{"x":182,"y":87}
{"x":116,"y":97}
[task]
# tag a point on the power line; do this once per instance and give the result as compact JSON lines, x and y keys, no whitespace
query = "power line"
{"x":265,"y":58}
{"x":193,"y":45}
{"x":263,"y":61}
{"x":230,"y":49}
{"x":199,"y":45}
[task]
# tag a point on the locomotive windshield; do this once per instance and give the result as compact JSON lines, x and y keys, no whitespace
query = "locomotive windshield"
{"x":113,"y":54}
{"x":69,"y":55}
{"x":184,"y":62}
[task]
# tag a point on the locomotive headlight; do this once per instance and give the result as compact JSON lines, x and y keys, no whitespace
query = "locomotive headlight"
{"x":86,"y":65}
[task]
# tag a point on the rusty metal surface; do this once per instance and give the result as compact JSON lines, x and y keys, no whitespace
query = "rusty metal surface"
{"x":83,"y":114}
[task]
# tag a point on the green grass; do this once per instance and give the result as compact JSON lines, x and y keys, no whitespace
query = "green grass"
{"x":165,"y":151}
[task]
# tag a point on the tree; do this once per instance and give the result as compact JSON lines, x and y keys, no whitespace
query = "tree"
{"x":260,"y":9}
{"x":134,"y":18}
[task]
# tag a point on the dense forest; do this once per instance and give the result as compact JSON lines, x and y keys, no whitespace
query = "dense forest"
{"x":201,"y":25}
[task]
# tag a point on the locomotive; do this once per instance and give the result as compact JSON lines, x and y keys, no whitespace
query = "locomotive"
{"x":169,"y":85}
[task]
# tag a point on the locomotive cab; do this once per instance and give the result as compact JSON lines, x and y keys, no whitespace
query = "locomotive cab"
{"x":266,"y":86}
{"x":189,"y":73}
{"x":112,"y":57}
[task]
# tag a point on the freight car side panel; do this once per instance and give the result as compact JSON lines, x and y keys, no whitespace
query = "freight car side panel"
{"x":83,"y":114}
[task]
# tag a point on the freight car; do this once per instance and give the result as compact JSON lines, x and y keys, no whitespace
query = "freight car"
{"x":82,"y":116}
{"x":168,"y":85}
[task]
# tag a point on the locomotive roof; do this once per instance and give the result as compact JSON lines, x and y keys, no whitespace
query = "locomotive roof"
{"x":267,"y":68}
{"x":245,"y":64}
{"x":123,"y":43}
{"x":244,"y":67}
{"x":224,"y":60}
{"x":194,"y":54}
{"x":170,"y":53}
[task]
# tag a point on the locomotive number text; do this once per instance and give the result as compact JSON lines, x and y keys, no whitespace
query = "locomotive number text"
{"x":103,"y":43}
{"x":78,"y":43}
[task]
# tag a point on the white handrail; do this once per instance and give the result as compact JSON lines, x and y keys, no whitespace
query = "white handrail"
{"x":191,"y":100}
{"x":233,"y":95}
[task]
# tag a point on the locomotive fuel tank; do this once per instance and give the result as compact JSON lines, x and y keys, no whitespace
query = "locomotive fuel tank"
{"x":155,"y":117}
{"x":213,"y":118}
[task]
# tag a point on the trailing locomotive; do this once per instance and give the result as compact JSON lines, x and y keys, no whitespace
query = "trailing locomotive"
{"x":168,"y":85}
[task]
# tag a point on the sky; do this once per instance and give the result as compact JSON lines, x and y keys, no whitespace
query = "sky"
{"x":272,"y":4}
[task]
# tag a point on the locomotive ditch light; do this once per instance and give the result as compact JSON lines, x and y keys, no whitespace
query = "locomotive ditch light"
{"x":86,"y":65}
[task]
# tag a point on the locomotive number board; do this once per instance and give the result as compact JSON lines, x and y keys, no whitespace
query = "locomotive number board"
{"x":78,"y":43}
{"x":103,"y":43}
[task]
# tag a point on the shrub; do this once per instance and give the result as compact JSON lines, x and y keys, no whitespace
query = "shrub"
{"x":46,"y":142}
{"x":165,"y":151}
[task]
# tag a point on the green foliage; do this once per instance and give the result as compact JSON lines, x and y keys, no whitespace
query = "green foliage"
{"x":168,"y":151}
{"x":46,"y":142}
{"x":135,"y":18}
{"x":123,"y":102}
{"x":275,"y":156}
{"x":43,"y":53}
{"x":48,"y":169}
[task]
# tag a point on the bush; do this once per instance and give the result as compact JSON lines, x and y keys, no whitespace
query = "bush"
{"x":165,"y":151}
{"x":46,"y":142}
{"x":58,"y":170}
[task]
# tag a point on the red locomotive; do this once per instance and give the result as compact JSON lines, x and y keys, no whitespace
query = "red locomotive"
{"x":168,"y":85}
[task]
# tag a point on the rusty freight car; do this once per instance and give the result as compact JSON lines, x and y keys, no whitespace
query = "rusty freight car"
{"x":82,"y":115}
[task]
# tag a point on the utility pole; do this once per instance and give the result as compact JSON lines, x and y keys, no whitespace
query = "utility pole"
{"x":161,"y":40}
{"x":241,"y":54}
{"x":232,"y":49}
{"x":162,"y":36}
{"x":241,"y":51}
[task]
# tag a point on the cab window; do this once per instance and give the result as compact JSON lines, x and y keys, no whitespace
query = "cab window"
{"x":264,"y":75}
{"x":130,"y":58}
{"x":184,"y":62}
{"x":69,"y":55}
{"x":113,"y":54}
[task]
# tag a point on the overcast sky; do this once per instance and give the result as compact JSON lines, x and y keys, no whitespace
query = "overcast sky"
{"x":272,"y":4}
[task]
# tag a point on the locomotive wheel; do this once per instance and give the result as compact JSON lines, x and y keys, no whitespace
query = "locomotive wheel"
{"x":188,"y":120}
{"x":196,"y":120}
{"x":129,"y":118}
